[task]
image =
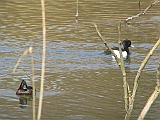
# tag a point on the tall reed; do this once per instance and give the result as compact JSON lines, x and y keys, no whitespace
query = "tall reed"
{"x":43,"y":60}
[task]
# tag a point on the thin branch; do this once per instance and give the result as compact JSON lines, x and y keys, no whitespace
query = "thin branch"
{"x":125,"y":83}
{"x":149,"y":103}
{"x":142,"y":13}
{"x":106,"y":44}
{"x":153,"y":96}
{"x":119,"y":62}
{"x":136,"y":81}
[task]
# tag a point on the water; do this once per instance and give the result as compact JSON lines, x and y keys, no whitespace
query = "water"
{"x":81,"y":82}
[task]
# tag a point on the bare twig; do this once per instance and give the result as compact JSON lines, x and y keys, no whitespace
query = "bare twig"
{"x":125,"y":83}
{"x":153,"y":96}
{"x":149,"y":103}
{"x":119,"y":62}
{"x":43,"y":60}
{"x":106,"y":44}
{"x":142,"y":13}
{"x":137,"y":79}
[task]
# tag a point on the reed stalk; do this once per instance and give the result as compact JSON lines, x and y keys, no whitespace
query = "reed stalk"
{"x":33,"y":84}
{"x":77,"y":17}
{"x":19,"y":60}
{"x":77,"y":11}
{"x":43,"y":61}
{"x":136,"y":81}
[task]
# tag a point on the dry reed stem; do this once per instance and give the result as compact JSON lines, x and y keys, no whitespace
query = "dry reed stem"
{"x":149,"y":103}
{"x":33,"y":84}
{"x":77,"y":18}
{"x":43,"y":60}
{"x":77,"y":11}
{"x":136,"y":81}
{"x":143,"y":12}
{"x":19,"y":60}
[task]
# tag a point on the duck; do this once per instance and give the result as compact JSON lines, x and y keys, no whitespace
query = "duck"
{"x":24,"y":89}
{"x":125,"y":49}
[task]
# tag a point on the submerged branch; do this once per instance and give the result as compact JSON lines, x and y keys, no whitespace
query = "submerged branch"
{"x":143,"y":12}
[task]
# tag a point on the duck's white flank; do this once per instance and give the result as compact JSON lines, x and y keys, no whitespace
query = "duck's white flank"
{"x":124,"y":53}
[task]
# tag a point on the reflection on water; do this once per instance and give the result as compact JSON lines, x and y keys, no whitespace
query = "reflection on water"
{"x":23,"y":99}
{"x":81,"y":82}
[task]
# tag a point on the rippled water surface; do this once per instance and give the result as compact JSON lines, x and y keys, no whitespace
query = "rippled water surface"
{"x":81,"y":82}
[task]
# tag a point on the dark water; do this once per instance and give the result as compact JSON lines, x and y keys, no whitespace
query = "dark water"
{"x":80,"y":81}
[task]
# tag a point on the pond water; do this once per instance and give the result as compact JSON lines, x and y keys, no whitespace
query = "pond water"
{"x":81,"y":82}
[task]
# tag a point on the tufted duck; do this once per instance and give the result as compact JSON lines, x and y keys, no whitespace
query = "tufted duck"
{"x":125,"y":50}
{"x":24,"y":89}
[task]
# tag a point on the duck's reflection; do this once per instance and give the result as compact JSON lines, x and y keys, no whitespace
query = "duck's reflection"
{"x":23,"y":99}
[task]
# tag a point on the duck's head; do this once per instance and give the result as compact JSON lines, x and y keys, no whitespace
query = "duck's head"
{"x":23,"y":85}
{"x":24,"y":89}
{"x":126,"y":44}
